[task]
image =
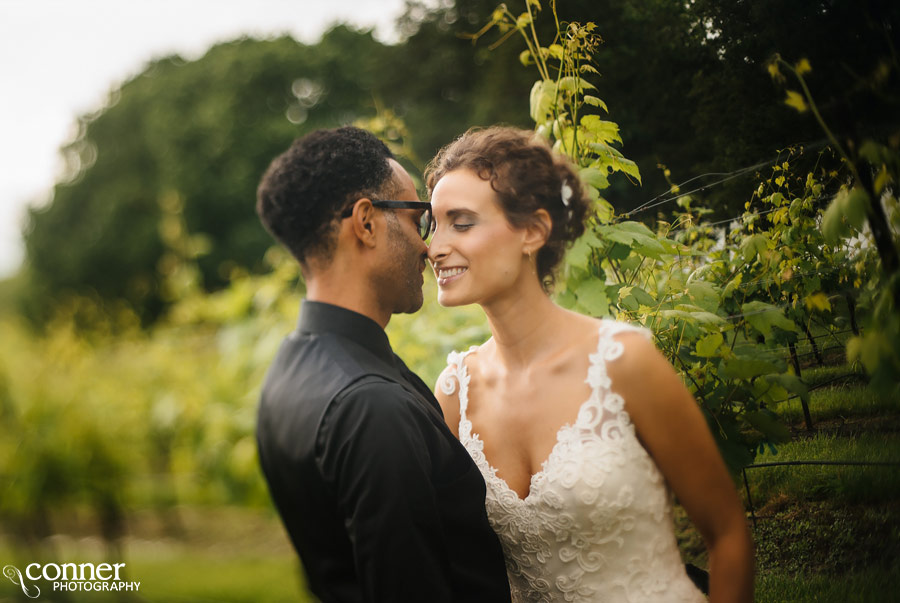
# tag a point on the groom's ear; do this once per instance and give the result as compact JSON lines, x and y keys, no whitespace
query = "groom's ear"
{"x":363,"y":222}
{"x":538,"y":231}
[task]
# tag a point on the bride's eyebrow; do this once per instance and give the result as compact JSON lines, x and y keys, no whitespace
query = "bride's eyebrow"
{"x":453,"y":213}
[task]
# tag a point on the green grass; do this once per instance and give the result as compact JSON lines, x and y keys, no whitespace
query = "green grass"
{"x":876,"y":585}
{"x":831,"y":533}
{"x":842,"y":401}
{"x":840,"y":484}
{"x":197,"y":577}
{"x":827,"y":539}
{"x":815,"y":376}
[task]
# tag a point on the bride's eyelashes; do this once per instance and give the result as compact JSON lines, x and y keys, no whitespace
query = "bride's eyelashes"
{"x":459,"y":226}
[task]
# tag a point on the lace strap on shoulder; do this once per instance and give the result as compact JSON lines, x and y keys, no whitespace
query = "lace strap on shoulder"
{"x":448,"y":387}
{"x":609,"y":349}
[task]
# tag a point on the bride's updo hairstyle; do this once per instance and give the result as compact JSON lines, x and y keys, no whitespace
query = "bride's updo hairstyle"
{"x":527,"y":176}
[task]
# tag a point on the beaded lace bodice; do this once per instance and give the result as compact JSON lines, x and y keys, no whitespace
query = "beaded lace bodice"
{"x":596,"y":524}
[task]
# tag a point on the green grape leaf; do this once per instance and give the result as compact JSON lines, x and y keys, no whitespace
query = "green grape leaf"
{"x":594,"y":177}
{"x":566,"y":299}
{"x":525,"y":57}
{"x":642,"y":297}
{"x":731,"y":443}
{"x":603,"y":210}
{"x":768,"y":425}
{"x":763,"y":317}
{"x":629,"y":302}
{"x":618,"y":251}
{"x":636,"y":228}
{"x":616,"y":234}
{"x":706,"y":346}
{"x":854,"y":349}
{"x":850,"y":205}
{"x":753,"y":246}
{"x":523,"y":21}
{"x":595,"y":101}
{"x":694,"y":315}
{"x":591,"y":295}
{"x":872,"y":152}
{"x":855,"y":206}
{"x":543,"y":94}
{"x":637,"y":235}
{"x":745,"y":368}
{"x":874,"y":347}
{"x":732,"y":285}
{"x":817,"y":301}
{"x":607,"y":131}
{"x":833,"y":226}
{"x":579,"y":253}
{"x":704,"y":295}
{"x":795,"y":99}
{"x":791,"y":383}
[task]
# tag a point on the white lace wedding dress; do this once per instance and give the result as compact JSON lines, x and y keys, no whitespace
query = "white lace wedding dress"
{"x":597,"y":522}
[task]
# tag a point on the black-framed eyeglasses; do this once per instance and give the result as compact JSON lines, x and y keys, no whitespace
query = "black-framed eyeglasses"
{"x":425,"y":221}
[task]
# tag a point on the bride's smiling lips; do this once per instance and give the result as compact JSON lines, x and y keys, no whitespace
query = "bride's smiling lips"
{"x":448,"y":274}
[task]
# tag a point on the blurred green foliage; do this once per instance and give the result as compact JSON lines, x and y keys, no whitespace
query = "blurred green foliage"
{"x":201,"y":131}
{"x":686,"y":81}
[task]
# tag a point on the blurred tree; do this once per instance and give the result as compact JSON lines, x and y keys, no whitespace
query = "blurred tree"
{"x":647,"y":66}
{"x":686,"y":82}
{"x":203,"y":131}
{"x":443,"y":84}
{"x":738,"y":111}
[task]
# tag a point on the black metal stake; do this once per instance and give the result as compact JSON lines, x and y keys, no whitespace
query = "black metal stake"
{"x":749,"y":500}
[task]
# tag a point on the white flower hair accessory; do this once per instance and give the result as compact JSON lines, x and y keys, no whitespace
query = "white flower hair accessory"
{"x":565,"y":193}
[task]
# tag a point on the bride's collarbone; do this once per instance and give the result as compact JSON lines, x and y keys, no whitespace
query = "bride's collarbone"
{"x":519,"y":425}
{"x":552,"y":389}
{"x":553,"y":373}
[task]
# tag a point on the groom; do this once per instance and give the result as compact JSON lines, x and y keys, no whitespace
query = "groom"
{"x":380,"y":500}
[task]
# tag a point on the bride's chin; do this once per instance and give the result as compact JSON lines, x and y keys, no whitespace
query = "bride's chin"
{"x":447,"y":301}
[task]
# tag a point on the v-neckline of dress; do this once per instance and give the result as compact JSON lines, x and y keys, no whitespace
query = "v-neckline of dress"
{"x":540,"y":474}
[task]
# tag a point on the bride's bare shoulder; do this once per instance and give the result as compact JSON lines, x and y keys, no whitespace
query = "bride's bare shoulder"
{"x":637,"y":342}
{"x":586,"y":327}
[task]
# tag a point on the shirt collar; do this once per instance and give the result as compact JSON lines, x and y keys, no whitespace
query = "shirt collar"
{"x":319,"y":317}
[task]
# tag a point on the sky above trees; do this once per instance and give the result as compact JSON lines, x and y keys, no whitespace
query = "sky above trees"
{"x":62,"y":59}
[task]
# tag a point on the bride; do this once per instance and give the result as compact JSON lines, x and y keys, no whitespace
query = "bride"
{"x":581,"y":428}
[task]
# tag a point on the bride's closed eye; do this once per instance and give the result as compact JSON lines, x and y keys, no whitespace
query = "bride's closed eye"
{"x":462,"y":226}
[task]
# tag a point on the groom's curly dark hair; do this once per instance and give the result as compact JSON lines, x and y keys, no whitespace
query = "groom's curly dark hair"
{"x":305,"y":188}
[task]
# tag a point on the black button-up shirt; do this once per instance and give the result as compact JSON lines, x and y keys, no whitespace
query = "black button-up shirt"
{"x":380,"y":500}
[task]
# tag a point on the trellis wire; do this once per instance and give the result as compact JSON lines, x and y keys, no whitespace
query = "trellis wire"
{"x":728,"y":176}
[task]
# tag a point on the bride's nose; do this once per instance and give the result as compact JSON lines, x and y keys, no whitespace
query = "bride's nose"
{"x":437,"y":249}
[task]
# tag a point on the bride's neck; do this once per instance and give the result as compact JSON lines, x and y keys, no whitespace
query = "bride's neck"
{"x":523,"y":323}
